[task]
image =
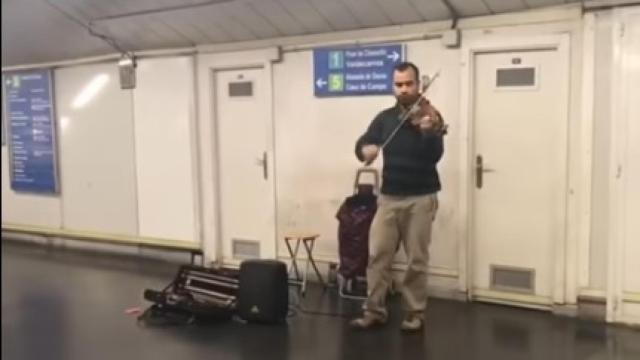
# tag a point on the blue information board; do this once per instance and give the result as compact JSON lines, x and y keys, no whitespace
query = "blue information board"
{"x":363,"y":70}
{"x":31,"y":130}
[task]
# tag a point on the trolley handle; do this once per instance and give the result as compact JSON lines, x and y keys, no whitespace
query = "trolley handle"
{"x":376,"y":178}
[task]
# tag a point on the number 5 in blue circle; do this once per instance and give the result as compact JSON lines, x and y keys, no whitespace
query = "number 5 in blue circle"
{"x":336,"y":82}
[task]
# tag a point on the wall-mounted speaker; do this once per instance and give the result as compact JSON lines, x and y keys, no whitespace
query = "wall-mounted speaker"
{"x":127,"y":67}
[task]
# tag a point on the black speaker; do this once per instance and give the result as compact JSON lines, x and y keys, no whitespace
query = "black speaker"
{"x":263,"y":294}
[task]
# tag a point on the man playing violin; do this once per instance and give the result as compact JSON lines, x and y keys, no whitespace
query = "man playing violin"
{"x":408,"y":201}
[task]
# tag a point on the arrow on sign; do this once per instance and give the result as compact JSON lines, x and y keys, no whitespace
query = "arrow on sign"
{"x":320,"y":83}
{"x":394,"y":56}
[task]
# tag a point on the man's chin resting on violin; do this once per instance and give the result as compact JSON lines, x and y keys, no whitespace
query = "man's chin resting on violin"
{"x":408,"y":201}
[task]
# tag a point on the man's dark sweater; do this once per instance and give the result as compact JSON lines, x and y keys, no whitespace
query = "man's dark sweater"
{"x":410,"y":158}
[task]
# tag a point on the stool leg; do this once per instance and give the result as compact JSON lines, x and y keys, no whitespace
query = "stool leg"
{"x":304,"y":277}
{"x":308,"y":244}
{"x":293,"y":254}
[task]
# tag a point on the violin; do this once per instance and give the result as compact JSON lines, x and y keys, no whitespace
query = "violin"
{"x":418,"y":110}
{"x":423,"y":108}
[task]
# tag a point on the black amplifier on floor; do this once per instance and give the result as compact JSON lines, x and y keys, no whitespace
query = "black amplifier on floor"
{"x":263,"y":295}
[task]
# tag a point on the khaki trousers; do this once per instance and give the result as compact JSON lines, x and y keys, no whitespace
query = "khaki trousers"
{"x":406,"y":220}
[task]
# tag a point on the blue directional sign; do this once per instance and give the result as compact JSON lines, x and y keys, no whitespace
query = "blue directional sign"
{"x":365,"y":70}
{"x":32,"y":145}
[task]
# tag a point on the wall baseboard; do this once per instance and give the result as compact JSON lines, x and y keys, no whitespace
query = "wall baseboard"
{"x":57,"y":242}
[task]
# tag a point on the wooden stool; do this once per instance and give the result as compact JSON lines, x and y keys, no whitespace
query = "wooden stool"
{"x":308,"y":240}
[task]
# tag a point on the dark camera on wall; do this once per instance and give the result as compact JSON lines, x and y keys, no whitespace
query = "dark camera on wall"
{"x":127,"y":66}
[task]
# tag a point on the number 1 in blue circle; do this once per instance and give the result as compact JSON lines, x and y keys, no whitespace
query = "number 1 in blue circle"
{"x":335,"y":60}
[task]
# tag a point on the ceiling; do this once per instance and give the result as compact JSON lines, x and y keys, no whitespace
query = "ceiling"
{"x":36,"y":31}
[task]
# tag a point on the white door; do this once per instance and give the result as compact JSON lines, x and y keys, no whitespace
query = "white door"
{"x":519,"y":120}
{"x":624,"y":266}
{"x":631,"y":259}
{"x":246,"y":195}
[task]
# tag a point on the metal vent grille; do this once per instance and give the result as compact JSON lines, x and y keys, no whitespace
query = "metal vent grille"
{"x":507,"y":278}
{"x":240,"y":88}
{"x":245,"y":249}
{"x":516,"y":77}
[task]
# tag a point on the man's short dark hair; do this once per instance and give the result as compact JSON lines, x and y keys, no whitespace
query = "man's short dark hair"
{"x":405,"y":65}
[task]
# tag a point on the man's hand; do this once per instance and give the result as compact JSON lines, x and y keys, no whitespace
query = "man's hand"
{"x":370,"y":153}
{"x":432,"y":123}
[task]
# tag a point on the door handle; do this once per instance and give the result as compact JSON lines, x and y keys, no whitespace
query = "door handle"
{"x":265,"y":165}
{"x":480,"y":170}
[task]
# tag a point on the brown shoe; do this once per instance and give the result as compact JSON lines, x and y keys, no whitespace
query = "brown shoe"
{"x":412,"y":323}
{"x":368,"y":320}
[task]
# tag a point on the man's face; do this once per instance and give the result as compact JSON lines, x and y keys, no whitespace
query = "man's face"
{"x":405,"y":86}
